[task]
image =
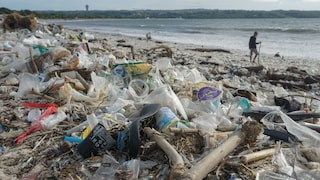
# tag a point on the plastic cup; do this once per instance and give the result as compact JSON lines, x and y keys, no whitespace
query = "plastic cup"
{"x":210,"y":94}
{"x":98,"y":140}
{"x":138,"y":89}
{"x":165,"y":119}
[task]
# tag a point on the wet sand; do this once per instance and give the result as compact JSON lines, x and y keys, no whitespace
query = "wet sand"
{"x":236,"y":57}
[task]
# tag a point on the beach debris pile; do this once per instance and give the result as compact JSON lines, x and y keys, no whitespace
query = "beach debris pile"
{"x":15,"y":21}
{"x":74,"y":106}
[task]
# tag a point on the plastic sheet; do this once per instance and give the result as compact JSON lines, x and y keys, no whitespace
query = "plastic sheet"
{"x":307,"y":136}
{"x":269,"y":175}
{"x":166,"y":97}
{"x":206,"y":122}
{"x":107,"y":169}
{"x":54,"y":119}
{"x":27,"y":83}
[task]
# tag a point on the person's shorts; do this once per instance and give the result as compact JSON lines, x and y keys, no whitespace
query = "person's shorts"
{"x":253,"y":50}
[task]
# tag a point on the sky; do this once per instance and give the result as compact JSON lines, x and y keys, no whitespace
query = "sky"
{"x":161,"y":4}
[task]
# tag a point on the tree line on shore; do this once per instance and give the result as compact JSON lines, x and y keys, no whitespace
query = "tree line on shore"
{"x":186,"y":14}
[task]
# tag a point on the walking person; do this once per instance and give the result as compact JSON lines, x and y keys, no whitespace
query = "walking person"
{"x":253,"y":46}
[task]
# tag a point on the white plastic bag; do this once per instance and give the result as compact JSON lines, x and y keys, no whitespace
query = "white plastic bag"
{"x":53,"y":119}
{"x":165,"y":96}
{"x":27,"y":83}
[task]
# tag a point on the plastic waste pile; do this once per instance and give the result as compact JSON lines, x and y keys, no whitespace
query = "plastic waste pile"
{"x":70,"y":108}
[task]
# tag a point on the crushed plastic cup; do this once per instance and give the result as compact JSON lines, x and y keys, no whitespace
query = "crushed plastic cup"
{"x":119,"y":71}
{"x":138,"y":89}
{"x":166,"y":119}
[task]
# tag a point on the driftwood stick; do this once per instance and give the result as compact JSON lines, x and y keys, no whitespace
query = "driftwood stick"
{"x":209,"y":50}
{"x":183,"y":131}
{"x":209,"y":162}
{"x":257,"y":155}
{"x":173,"y":155}
{"x":32,"y":61}
{"x":82,"y":80}
{"x":166,"y":48}
{"x":33,"y":91}
{"x":132,"y":52}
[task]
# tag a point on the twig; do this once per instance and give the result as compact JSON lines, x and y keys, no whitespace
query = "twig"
{"x":38,"y":144}
{"x":257,"y":155}
{"x":33,"y":91}
{"x":182,"y":131}
{"x":32,"y":61}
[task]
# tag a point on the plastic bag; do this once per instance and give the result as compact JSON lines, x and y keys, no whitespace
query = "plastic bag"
{"x":165,"y":96}
{"x":107,"y":169}
{"x":206,"y":122}
{"x":269,"y":175}
{"x":308,"y":137}
{"x":194,"y":76}
{"x":163,"y":64}
{"x":283,"y":159}
{"x":54,"y":119}
{"x":27,"y":83}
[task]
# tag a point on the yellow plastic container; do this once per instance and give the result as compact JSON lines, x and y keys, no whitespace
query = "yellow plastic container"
{"x":136,"y":68}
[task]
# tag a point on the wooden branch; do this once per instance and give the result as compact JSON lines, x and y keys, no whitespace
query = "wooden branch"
{"x":173,"y":155}
{"x":257,"y":155}
{"x":209,"y":162}
{"x":291,"y":85}
{"x":32,"y":61}
{"x":209,"y":50}
{"x":183,"y":131}
{"x":166,"y":48}
{"x":131,"y":48}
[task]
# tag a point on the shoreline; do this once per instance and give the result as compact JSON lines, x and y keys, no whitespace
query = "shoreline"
{"x":289,"y":42}
{"x":237,"y":57}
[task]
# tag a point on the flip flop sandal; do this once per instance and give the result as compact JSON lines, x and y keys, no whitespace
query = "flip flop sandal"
{"x":132,"y":133}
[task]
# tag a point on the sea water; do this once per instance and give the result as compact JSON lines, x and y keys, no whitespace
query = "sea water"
{"x":297,"y":37}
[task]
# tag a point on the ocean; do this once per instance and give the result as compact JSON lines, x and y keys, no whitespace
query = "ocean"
{"x":290,"y":37}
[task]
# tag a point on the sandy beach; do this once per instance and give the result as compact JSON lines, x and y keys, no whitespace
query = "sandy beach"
{"x":235,"y":57}
{"x":72,"y":82}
